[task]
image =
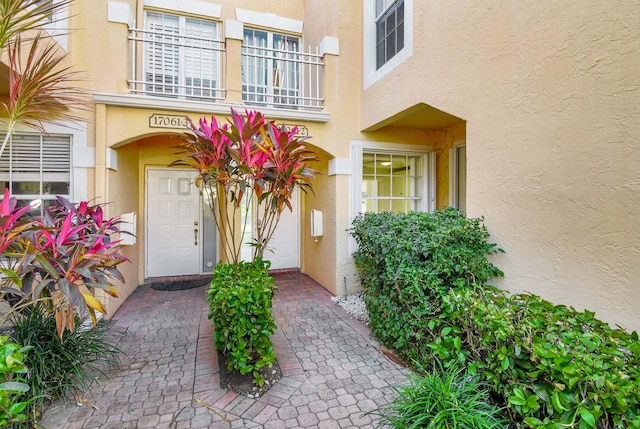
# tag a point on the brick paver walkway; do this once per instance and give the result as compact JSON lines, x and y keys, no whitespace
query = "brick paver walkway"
{"x":333,"y":373}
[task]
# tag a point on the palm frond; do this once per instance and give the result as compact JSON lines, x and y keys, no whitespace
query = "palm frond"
{"x":20,"y":16}
{"x":40,"y":85}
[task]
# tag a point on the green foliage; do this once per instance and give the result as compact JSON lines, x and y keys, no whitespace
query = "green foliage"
{"x":240,"y":305}
{"x":550,"y":366}
{"x":59,"y":368}
{"x":555,"y":367}
{"x":13,"y":389}
{"x":443,"y":399}
{"x":407,"y":260}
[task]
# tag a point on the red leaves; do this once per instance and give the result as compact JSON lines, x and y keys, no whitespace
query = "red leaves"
{"x":68,"y":251}
{"x":247,"y":157}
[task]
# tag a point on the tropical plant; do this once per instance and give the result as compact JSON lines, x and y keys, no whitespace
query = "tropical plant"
{"x":12,"y":386}
{"x":40,"y":85}
{"x":247,"y":160}
{"x":60,"y":368}
{"x":60,"y":258}
{"x":445,"y":398}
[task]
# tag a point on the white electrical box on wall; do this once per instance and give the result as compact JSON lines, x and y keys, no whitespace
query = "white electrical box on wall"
{"x":128,"y":228}
{"x":317,"y":229}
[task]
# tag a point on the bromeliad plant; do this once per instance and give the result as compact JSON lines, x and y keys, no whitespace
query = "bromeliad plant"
{"x":60,"y":259}
{"x":246,"y":160}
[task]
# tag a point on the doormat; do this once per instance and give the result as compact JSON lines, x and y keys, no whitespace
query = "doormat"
{"x":180,"y":284}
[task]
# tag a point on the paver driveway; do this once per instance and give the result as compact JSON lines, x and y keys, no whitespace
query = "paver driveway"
{"x":333,"y":373}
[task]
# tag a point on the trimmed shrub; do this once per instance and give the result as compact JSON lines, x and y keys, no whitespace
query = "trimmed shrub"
{"x":408,"y":260}
{"x":549,"y":365}
{"x":240,"y":300}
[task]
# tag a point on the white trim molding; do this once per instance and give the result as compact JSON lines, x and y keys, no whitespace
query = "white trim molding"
{"x":329,"y":45}
{"x":371,"y":75}
{"x":197,"y":7}
{"x":148,"y":102}
{"x":340,"y":166}
{"x":233,"y":29}
{"x":269,"y":20}
{"x":120,"y":13}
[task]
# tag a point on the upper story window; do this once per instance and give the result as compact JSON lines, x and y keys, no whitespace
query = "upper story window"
{"x":36,"y":168}
{"x":387,"y":38}
{"x":389,"y":30}
{"x":181,"y":57}
{"x":271,"y":68}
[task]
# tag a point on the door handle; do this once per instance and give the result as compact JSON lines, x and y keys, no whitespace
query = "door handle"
{"x":195,"y":234}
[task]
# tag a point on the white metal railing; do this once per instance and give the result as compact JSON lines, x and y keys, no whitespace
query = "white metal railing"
{"x":176,"y":65}
{"x":282,"y":78}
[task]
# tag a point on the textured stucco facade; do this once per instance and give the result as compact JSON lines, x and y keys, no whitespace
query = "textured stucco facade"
{"x":550,"y":95}
{"x":545,"y":95}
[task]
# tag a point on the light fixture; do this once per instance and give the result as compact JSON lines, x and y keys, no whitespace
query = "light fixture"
{"x":385,"y":163}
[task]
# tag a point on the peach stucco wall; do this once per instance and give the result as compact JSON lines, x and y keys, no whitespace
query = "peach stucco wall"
{"x":550,"y":94}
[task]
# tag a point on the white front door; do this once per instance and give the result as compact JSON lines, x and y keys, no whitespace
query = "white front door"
{"x":283,"y":249}
{"x":173,"y":223}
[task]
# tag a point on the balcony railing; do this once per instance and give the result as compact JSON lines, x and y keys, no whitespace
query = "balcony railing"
{"x":282,"y":78}
{"x":188,"y":67}
{"x":176,"y":65}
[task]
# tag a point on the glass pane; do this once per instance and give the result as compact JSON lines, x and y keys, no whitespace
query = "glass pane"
{"x":209,"y":239}
{"x":462,"y":178}
{"x":55,"y":188}
{"x":32,"y":188}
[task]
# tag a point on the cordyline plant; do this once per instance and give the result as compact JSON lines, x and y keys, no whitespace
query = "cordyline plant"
{"x":40,"y":86}
{"x":60,"y":258}
{"x":247,"y":160}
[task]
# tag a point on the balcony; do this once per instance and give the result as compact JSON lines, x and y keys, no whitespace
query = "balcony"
{"x":191,"y":63}
{"x":172,"y":65}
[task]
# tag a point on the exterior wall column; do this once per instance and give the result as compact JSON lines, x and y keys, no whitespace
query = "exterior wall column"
{"x":233,"y":34}
{"x":101,"y":188}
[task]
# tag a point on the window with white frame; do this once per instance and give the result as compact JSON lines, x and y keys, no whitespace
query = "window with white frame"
{"x":388,"y":36}
{"x":391,"y":179}
{"x":270,"y":68}
{"x":181,"y":56}
{"x":389,"y":30}
{"x":36,"y":168}
{"x":458,"y":176}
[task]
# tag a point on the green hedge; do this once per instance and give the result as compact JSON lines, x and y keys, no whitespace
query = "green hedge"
{"x":240,"y":300}
{"x":552,"y":366}
{"x":407,"y":260}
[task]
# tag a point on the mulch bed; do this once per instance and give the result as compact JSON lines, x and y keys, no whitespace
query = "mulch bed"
{"x":243,"y":384}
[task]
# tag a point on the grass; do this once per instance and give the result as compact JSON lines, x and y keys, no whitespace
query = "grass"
{"x":59,"y":369}
{"x":446,"y":398}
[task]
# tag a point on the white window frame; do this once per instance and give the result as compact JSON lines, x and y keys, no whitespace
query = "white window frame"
{"x":428,"y":165}
{"x":181,"y":88}
{"x":371,"y":74}
{"x":453,"y":173}
{"x":82,"y":157}
{"x":270,"y":98}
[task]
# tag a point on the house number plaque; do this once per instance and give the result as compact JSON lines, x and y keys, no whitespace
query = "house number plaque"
{"x":158,"y":120}
{"x":303,"y":131}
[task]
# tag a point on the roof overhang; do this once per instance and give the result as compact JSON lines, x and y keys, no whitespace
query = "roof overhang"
{"x":419,"y":116}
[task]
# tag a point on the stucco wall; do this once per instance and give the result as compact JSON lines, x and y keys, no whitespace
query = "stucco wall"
{"x":550,"y":94}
